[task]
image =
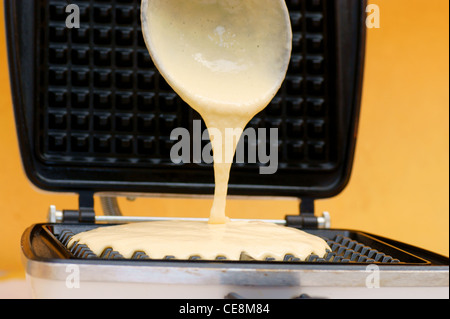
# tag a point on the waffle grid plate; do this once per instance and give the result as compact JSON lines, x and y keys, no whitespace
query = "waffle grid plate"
{"x":346,"y":247}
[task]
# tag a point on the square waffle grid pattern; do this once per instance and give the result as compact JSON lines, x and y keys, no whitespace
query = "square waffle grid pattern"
{"x":102,"y":101}
{"x":343,"y":250}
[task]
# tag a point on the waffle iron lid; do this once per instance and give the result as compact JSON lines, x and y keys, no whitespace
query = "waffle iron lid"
{"x":93,"y":113}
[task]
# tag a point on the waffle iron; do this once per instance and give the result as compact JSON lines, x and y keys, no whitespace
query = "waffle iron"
{"x":94,"y":116}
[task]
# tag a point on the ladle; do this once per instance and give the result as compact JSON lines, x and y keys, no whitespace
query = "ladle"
{"x":225,"y":58}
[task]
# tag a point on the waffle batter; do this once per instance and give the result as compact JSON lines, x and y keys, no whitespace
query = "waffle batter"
{"x":227,"y":60}
{"x":183,"y":239}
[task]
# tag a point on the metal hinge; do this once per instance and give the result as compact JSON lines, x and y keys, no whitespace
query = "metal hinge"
{"x":307,"y":217}
{"x":84,"y":214}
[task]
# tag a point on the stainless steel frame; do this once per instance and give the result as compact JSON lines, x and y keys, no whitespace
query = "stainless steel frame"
{"x":206,"y":280}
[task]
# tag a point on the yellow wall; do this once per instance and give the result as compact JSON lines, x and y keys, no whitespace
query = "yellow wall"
{"x":400,"y":182}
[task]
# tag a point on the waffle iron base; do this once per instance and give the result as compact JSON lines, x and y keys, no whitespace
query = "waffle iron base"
{"x":403,"y":271}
